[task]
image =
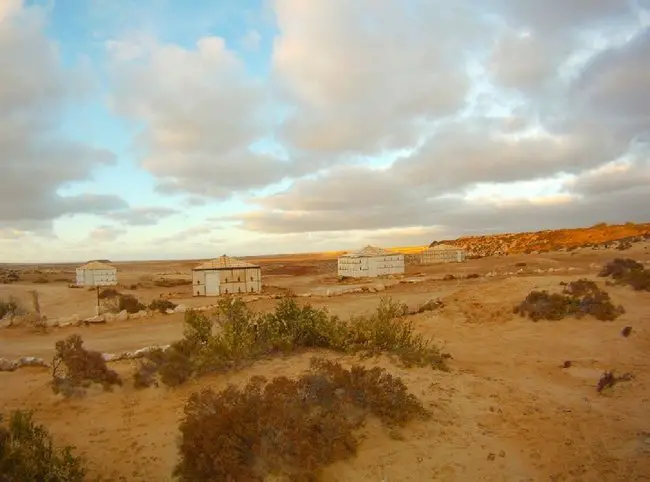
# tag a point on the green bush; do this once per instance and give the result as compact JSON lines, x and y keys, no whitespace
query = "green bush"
{"x":287,"y":428}
{"x":242,"y":336}
{"x":27,"y":453}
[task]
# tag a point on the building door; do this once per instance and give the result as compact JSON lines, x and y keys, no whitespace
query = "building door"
{"x":211,"y":283}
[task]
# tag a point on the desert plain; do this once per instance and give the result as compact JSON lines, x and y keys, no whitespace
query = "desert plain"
{"x":509,"y":408}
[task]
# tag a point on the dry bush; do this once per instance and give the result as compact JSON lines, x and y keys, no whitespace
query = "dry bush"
{"x":448,"y":277}
{"x":129,"y":303}
{"x":582,"y":287}
{"x":243,"y":336}
{"x":41,"y":280}
{"x":473,"y":276}
{"x":27,"y":453}
{"x":580,"y":298}
{"x":162,"y":305}
{"x":287,"y":428}
{"x":172,"y":282}
{"x":609,"y":379}
{"x":619,"y":268}
{"x":74,"y":368}
{"x":628,"y":272}
{"x":11,"y":307}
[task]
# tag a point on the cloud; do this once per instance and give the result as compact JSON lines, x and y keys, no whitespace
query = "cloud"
{"x":104,"y":234}
{"x":614,"y":85}
{"x":201,"y":114}
{"x":141,"y":216}
{"x":36,"y":159}
{"x":362,"y":77}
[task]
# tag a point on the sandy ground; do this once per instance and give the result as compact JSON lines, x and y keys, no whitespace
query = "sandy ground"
{"x":507,"y":410}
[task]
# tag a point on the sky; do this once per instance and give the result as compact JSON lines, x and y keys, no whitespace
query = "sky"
{"x":169,"y":129}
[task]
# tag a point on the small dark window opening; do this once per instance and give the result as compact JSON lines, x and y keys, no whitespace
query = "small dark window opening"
{"x":238,"y":278}
{"x":239,"y":289}
{"x":251,"y":278}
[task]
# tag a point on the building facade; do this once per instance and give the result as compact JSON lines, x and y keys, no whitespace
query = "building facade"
{"x":96,"y":273}
{"x":370,"y":262}
{"x":226,"y":275}
{"x":442,"y":253}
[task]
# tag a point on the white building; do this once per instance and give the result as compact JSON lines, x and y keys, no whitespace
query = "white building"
{"x":96,"y":273}
{"x":442,"y":253}
{"x":370,"y":262}
{"x":226,"y":275}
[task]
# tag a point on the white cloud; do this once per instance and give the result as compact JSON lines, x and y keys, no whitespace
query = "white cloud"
{"x":36,"y":158}
{"x":201,"y":114}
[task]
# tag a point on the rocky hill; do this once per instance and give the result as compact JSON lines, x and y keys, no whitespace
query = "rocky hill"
{"x":600,"y":235}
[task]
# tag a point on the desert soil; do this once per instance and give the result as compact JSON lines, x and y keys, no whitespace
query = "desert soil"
{"x":507,"y":410}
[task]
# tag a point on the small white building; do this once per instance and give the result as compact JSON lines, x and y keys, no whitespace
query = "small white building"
{"x":442,"y":253}
{"x":226,"y":275}
{"x":370,"y":262}
{"x":96,"y":273}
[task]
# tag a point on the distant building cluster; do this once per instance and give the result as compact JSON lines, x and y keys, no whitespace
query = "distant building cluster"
{"x":225,"y":275}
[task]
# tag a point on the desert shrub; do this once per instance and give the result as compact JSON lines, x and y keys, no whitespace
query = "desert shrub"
{"x":242,"y":336}
{"x":628,"y":272}
{"x":624,"y":246}
{"x":129,"y":303}
{"x":639,"y":280}
{"x":619,"y":268}
{"x":287,"y":428}
{"x":27,"y":453}
{"x":74,"y":368}
{"x":162,"y":305}
{"x":41,"y":280}
{"x":580,"y":298}
{"x":520,"y":264}
{"x":172,"y":282}
{"x":609,"y":379}
{"x":448,"y":277}
{"x":10,"y":307}
{"x":473,"y":276}
{"x":582,"y":287}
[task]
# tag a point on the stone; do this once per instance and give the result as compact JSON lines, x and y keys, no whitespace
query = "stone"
{"x":180,"y":309}
{"x":122,"y":316}
{"x":96,"y":319}
{"x":7,"y":365}
{"x":169,"y":311}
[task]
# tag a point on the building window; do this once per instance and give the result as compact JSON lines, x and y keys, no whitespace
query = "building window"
{"x":238,"y":278}
{"x":239,"y":289}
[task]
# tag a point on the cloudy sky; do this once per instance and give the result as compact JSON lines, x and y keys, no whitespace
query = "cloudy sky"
{"x":134,"y":129}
